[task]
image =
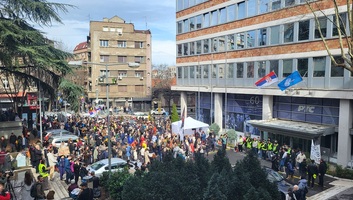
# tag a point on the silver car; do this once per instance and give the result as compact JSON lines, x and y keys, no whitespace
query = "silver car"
{"x":101,"y":166}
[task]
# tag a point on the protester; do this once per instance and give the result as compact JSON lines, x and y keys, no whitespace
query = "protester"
{"x":26,"y":188}
{"x":322,"y":171}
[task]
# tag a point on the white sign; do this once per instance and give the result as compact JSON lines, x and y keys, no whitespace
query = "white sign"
{"x":315,"y":153}
{"x":308,"y":109}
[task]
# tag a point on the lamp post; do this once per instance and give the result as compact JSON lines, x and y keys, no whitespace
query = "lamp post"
{"x":131,"y":65}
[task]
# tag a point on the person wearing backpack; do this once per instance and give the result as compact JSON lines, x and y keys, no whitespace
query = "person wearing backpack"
{"x":37,"y":190}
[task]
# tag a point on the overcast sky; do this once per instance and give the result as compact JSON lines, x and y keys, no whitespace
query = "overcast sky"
{"x":156,"y":15}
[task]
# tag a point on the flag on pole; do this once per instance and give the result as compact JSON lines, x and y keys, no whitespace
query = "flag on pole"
{"x":293,"y":79}
{"x":267,"y":80}
{"x":182,"y":118}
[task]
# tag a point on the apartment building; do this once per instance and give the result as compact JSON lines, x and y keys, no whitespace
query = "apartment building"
{"x":126,"y":53}
{"x":225,"y":46}
{"x":80,"y":72}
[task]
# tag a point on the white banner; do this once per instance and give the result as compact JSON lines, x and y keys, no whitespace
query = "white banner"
{"x":315,"y":153}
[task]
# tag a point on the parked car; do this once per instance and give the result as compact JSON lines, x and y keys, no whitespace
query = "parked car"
{"x":275,"y":177}
{"x":117,"y":164}
{"x":57,"y":140}
{"x":158,"y":112}
{"x":141,"y":114}
{"x":54,"y":132}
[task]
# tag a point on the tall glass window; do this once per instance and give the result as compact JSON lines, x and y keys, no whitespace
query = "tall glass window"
{"x":337,"y":71}
{"x":262,"y":33}
{"x":319,"y":66}
{"x":251,"y":39}
{"x":186,"y":70}
{"x":198,"y":71}
{"x":276,"y":4}
{"x":274,"y":66}
{"x":186,"y":49}
{"x":198,"y":47}
{"x":214,"y":71}
{"x":192,"y":48}
{"x":287,"y":67}
{"x":220,"y":70}
{"x":214,"y":17}
{"x":186,"y":25}
{"x":180,"y":27}
{"x":274,"y":35}
{"x":206,"y":20}
{"x":205,"y":71}
{"x":288,"y":32}
{"x":214,"y":44}
{"x":289,"y":3}
{"x":250,"y":70}
{"x":221,"y":43}
{"x":264,"y":6}
{"x":231,"y":13}
{"x":304,"y":29}
{"x":342,"y":21}
{"x":198,"y":21}
{"x":230,"y":42}
{"x":180,"y":49}
{"x":192,"y":23}
{"x":222,"y":15}
{"x":206,"y":46}
{"x":240,"y":70}
{"x":261,"y":71}
{"x":241,"y":10}
{"x":186,"y":4}
{"x":323,"y":27}
{"x":230,"y":70}
{"x":179,"y":5}
{"x":303,"y":67}
{"x":252,"y":4}
{"x":240,"y":40}
{"x":192,"y":71}
{"x":180,"y":72}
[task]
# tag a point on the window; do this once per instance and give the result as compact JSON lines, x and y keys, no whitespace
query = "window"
{"x":186,"y":26}
{"x":252,"y":4}
{"x":287,"y":67}
{"x":231,"y":13}
{"x":221,"y":43}
{"x":288,"y":32}
{"x":262,"y":36}
{"x":230,"y":70}
{"x":186,"y":4}
{"x":122,"y":73}
{"x":122,"y":88}
{"x":180,"y":50}
{"x":122,"y":59}
{"x":274,"y":35}
{"x":303,"y":66}
{"x":121,"y":43}
{"x":276,"y":4}
{"x":192,"y":23}
{"x":179,"y":5}
{"x":198,"y":47}
{"x":206,"y":46}
{"x":180,"y":27}
{"x":250,"y":70}
{"x":198,"y":21}
{"x":264,"y":5}
{"x":274,"y":66}
{"x":112,"y":29}
{"x":261,"y":72}
{"x":240,"y":41}
{"x":138,"y":74}
{"x":214,"y":17}
{"x":214,"y":44}
{"x":192,"y":48}
{"x":241,"y":10}
{"x":220,"y":70}
{"x":206,"y":20}
{"x":240,"y":70}
{"x":139,"y":88}
{"x":138,"y":45}
{"x":104,"y":58}
{"x":230,"y":42}
{"x":102,"y":73}
{"x":186,"y":49}
{"x":319,"y":66}
{"x":342,"y":21}
{"x":323,"y":25}
{"x":5,"y":83}
{"x":186,"y":69}
{"x":105,"y":28}
{"x":304,"y":29}
{"x":192,"y":71}
{"x":103,"y":43}
{"x":180,"y":72}
{"x":205,"y":71}
{"x":139,"y":59}
{"x":337,"y":71}
{"x":214,"y":71}
{"x":198,"y":71}
{"x":289,"y":3}
{"x":251,"y":39}
{"x":222,"y":15}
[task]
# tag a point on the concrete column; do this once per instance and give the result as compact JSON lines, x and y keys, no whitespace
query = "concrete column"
{"x":344,"y":137}
{"x":267,"y":107}
{"x":218,"y":109}
{"x":183,"y":103}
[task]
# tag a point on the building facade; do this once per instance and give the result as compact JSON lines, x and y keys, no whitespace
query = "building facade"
{"x":126,"y":53}
{"x":224,"y":47}
{"x":80,"y":73}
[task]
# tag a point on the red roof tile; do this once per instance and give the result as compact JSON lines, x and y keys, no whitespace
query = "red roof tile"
{"x":82,"y":45}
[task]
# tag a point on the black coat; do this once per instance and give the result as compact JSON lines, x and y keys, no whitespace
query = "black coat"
{"x":322,"y":167}
{"x":312,"y":169}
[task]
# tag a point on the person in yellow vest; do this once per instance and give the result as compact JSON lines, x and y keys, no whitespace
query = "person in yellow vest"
{"x":259,"y":151}
{"x":269,"y":149}
{"x":248,"y":144}
{"x":275,"y":147}
{"x":264,"y":150}
{"x":240,"y":144}
{"x":43,"y":171}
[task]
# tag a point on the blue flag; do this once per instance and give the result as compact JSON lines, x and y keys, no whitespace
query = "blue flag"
{"x":291,"y":80}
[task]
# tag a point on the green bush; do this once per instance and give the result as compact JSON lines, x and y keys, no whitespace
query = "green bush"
{"x":344,"y":172}
{"x":214,"y":128}
{"x":174,"y":117}
{"x":232,"y":135}
{"x":114,"y":184}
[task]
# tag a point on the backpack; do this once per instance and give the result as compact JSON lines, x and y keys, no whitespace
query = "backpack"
{"x":33,"y":192}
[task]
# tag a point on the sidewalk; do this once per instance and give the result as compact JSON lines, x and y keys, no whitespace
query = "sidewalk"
{"x":341,"y":188}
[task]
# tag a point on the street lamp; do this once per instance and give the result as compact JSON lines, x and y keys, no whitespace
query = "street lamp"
{"x":131,"y":65}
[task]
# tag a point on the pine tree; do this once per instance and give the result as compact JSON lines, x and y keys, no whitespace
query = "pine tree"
{"x":175,"y":116}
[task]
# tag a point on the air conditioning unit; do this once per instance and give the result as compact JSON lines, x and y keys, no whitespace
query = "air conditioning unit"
{"x":141,"y":78}
{"x":120,"y":78}
{"x":120,"y":33}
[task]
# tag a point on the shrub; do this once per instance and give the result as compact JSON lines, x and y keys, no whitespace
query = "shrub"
{"x":214,"y":128}
{"x":344,"y":172}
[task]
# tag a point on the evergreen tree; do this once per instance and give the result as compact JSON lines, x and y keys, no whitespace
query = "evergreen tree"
{"x":174,"y":116}
{"x":213,"y":191}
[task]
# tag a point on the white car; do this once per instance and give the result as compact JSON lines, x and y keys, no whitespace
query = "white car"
{"x":117,"y":164}
{"x":141,"y":114}
{"x":157,"y":112}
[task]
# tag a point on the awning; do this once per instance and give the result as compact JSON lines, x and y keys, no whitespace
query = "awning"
{"x":293,"y":129}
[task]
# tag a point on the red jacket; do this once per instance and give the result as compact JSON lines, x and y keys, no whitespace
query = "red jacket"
{"x":6,"y":197}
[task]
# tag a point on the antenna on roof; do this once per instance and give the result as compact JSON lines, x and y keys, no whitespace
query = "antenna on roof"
{"x":146,"y":22}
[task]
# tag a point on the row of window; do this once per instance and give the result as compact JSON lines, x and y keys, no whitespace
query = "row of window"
{"x":120,"y":88}
{"x":184,"y":4}
{"x":233,"y":12}
{"x":123,"y":59}
{"x":258,"y":69}
{"x":121,"y":44}
{"x":281,"y":34}
{"x":120,"y":73}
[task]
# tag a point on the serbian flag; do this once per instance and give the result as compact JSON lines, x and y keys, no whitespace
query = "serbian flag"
{"x":267,"y":80}
{"x":182,"y":118}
